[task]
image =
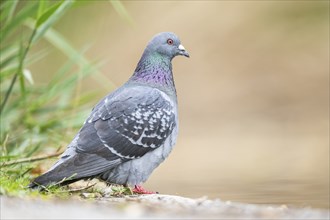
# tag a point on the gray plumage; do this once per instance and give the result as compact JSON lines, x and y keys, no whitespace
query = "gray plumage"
{"x":130,"y":131}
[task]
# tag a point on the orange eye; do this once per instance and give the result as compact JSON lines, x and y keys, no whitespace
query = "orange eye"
{"x":169,"y":41}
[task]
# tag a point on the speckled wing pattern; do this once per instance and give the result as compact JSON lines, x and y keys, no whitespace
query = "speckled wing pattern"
{"x":128,"y":125}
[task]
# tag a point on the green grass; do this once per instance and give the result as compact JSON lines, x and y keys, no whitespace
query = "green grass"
{"x":14,"y":181}
{"x":39,"y":117}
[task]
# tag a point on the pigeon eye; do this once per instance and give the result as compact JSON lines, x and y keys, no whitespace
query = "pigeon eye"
{"x":169,"y":41}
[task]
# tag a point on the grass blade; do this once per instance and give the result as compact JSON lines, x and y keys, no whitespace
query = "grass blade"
{"x":42,"y":7}
{"x":11,"y":11}
{"x":59,"y":41}
{"x":50,"y":17}
{"x":18,"y":19}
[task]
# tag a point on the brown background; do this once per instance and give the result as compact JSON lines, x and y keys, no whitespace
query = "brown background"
{"x":253,"y":97}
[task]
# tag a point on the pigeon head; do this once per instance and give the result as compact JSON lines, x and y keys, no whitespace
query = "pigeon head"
{"x":166,"y":44}
{"x":155,"y":67}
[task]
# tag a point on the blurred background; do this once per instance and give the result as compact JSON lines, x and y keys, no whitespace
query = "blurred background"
{"x":253,"y":97}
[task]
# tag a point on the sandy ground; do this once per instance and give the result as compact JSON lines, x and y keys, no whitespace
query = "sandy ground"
{"x":148,"y":206}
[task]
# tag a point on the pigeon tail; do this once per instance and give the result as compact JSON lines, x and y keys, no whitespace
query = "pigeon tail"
{"x":52,"y":178}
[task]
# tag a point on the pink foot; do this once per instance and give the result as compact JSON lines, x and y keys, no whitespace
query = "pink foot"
{"x":140,"y":190}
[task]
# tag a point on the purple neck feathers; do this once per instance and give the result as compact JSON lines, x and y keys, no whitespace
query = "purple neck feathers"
{"x":154,"y":70}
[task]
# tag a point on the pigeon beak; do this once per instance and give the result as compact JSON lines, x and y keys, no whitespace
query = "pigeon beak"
{"x":182,"y":51}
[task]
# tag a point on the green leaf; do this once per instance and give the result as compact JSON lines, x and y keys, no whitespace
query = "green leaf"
{"x":5,"y":8}
{"x":13,"y":63}
{"x":50,"y":17}
{"x":11,"y":10}
{"x":42,"y":7}
{"x":22,"y":15}
{"x":8,"y":55}
{"x":59,"y":41}
{"x":45,"y":16}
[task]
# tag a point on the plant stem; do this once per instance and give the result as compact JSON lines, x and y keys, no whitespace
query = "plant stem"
{"x":8,"y":92}
{"x":19,"y":70}
{"x":30,"y":159}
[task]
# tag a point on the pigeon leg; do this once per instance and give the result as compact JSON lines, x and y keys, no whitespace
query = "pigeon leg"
{"x":140,"y":190}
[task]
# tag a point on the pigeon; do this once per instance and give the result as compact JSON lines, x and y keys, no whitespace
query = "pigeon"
{"x":131,"y":130}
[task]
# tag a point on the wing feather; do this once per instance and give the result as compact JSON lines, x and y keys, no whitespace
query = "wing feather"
{"x":120,"y":128}
{"x":131,"y":124}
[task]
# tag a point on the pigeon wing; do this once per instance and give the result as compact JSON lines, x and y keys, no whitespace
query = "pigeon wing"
{"x":128,"y":125}
{"x":124,"y":126}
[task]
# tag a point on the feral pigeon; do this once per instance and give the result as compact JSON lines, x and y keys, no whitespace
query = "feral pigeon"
{"x":130,"y":131}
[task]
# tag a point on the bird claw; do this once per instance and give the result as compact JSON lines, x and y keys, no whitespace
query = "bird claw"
{"x":140,"y":190}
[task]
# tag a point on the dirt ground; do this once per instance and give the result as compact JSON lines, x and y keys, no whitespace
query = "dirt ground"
{"x":148,"y":206}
